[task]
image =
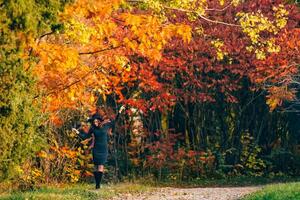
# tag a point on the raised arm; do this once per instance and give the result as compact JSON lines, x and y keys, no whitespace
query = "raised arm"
{"x":83,"y":132}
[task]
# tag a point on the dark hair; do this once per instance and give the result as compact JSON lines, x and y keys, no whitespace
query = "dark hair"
{"x":97,"y":116}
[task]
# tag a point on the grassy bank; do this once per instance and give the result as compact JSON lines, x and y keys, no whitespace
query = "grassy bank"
{"x":287,"y":191}
{"x":76,"y":192}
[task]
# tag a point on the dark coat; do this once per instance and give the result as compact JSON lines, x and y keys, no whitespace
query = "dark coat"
{"x":100,"y":149}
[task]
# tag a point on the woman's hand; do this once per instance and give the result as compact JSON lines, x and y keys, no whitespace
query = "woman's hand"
{"x":75,"y":130}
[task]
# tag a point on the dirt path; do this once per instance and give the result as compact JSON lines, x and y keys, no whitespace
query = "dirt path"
{"x":224,"y":193}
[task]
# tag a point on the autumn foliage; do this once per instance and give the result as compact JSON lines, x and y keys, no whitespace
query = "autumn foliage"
{"x":188,"y":54}
{"x":163,"y":57}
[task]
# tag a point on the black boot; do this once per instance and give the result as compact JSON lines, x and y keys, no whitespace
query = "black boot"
{"x":100,"y":178}
{"x":97,"y":179}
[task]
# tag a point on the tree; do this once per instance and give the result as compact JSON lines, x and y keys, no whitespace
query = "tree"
{"x":101,"y":51}
{"x":20,"y":117}
{"x":185,"y":64}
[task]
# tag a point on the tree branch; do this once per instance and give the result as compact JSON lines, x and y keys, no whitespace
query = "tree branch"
{"x":66,"y":87}
{"x":191,"y":11}
{"x":44,"y":35}
{"x":202,"y":17}
{"x":99,"y":51}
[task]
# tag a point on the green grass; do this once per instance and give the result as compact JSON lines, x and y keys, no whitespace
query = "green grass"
{"x":287,"y":191}
{"x":76,"y":192}
{"x":87,"y":191}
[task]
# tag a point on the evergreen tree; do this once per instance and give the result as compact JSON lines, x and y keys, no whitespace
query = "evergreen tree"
{"x":21,"y":21}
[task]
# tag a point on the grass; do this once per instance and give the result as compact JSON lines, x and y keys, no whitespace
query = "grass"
{"x":287,"y":191}
{"x":77,"y":192}
{"x":87,"y":191}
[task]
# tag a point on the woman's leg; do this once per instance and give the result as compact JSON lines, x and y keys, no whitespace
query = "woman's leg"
{"x":98,"y":175}
{"x":100,"y":168}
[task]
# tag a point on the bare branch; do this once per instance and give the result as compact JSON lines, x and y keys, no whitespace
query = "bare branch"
{"x":202,"y":17}
{"x":49,"y":33}
{"x":191,"y":11}
{"x":99,"y":51}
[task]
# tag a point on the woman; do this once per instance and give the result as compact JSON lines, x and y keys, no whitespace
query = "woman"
{"x":99,"y":131}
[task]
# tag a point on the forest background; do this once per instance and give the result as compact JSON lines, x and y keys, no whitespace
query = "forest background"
{"x":207,"y":88}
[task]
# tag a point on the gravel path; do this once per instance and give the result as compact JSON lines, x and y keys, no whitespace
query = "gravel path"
{"x":224,"y":193}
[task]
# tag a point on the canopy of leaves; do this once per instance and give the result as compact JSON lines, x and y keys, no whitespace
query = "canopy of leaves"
{"x":165,"y":50}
